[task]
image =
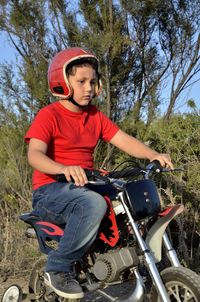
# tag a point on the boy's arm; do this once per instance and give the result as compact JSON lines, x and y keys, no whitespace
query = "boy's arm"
{"x":38,"y":159}
{"x":134,"y":147}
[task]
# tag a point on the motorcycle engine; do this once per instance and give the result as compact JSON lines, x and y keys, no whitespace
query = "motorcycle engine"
{"x":109,"y":266}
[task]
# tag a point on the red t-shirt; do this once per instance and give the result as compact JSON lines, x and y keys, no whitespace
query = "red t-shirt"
{"x":71,"y":136}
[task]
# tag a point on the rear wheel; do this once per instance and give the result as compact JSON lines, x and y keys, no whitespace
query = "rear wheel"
{"x":181,"y":283}
{"x":38,"y":291}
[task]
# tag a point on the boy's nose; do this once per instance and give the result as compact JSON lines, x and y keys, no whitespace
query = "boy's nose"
{"x":89,"y":87}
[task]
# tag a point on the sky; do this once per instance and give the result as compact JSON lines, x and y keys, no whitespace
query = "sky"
{"x":7,"y":53}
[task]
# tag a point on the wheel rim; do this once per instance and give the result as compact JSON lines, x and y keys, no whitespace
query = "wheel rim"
{"x":179,"y":292}
{"x":13,"y":294}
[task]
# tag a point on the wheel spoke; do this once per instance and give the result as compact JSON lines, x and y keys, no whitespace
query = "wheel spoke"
{"x":174,"y":291}
{"x":188,"y":296}
{"x":181,"y":293}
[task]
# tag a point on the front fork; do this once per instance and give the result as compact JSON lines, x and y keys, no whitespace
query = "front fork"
{"x":147,"y":251}
{"x":170,"y":251}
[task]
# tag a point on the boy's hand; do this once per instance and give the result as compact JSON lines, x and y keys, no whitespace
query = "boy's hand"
{"x":75,"y":172}
{"x":164,"y":160}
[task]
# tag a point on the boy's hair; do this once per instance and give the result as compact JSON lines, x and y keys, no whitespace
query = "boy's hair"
{"x":71,"y":68}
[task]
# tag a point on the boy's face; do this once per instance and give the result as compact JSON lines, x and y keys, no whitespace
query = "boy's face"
{"x":83,"y":83}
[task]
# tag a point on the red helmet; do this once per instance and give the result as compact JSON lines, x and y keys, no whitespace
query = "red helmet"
{"x":57,"y":78}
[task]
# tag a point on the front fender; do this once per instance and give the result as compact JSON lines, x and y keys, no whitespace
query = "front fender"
{"x":155,"y":234}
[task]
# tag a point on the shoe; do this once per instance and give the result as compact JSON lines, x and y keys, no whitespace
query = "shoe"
{"x":64,"y":284}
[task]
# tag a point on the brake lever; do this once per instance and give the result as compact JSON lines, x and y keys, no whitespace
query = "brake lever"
{"x":173,"y":170}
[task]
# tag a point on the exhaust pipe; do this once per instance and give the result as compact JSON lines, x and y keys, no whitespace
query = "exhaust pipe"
{"x":136,"y":296}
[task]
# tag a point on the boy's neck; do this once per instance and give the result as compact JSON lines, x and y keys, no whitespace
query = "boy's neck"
{"x":67,"y":104}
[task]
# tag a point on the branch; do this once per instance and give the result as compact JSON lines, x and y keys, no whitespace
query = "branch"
{"x":184,"y":80}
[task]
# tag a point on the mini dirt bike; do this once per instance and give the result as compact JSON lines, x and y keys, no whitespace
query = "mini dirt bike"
{"x":132,"y":247}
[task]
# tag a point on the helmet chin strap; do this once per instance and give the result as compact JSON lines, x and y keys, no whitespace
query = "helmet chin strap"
{"x":76,"y":104}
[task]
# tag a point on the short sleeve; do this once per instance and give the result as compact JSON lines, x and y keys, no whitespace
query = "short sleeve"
{"x":109,"y":128}
{"x":41,"y":127}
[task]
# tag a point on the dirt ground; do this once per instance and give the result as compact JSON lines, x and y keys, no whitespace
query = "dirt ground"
{"x":90,"y":297}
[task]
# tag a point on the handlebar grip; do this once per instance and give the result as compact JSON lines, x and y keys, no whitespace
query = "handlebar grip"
{"x":60,"y":178}
{"x":91,"y":175}
{"x":157,"y":164}
{"x":154,"y":165}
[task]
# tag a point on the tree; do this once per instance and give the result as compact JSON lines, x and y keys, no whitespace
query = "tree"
{"x":139,"y":44}
{"x":179,"y":38}
{"x":25,"y":25}
{"x":166,"y":39}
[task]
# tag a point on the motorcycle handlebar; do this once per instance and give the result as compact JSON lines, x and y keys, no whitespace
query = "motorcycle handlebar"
{"x":92,"y":175}
{"x":97,"y":175}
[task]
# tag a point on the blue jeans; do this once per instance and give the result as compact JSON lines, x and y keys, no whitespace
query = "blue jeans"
{"x":81,"y":209}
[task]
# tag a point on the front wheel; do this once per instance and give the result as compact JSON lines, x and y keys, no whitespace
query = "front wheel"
{"x":181,"y":283}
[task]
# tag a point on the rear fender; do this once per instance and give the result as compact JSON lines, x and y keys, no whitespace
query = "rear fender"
{"x":155,"y":234}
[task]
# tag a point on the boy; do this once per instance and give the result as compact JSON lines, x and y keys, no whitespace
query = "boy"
{"x":62,"y":139}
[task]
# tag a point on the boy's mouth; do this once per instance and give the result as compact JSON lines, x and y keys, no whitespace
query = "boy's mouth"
{"x":87,"y":98}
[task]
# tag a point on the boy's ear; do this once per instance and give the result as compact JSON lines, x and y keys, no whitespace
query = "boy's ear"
{"x":69,"y":86}
{"x":98,"y":87}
